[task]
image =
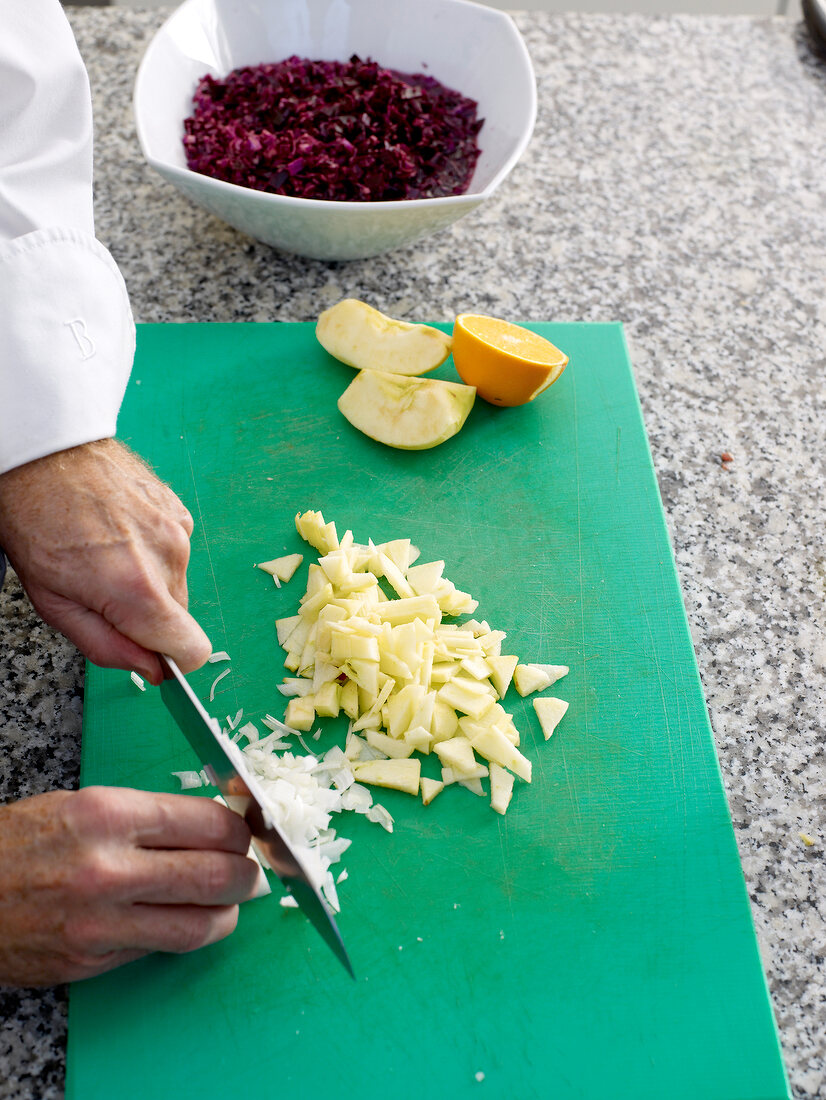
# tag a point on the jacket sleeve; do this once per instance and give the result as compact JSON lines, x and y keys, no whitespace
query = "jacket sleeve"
{"x":66,"y":333}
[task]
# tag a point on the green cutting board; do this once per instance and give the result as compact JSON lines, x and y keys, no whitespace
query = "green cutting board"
{"x":596,"y":942}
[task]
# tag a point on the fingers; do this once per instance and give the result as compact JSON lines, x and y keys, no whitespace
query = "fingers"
{"x":150,"y":820}
{"x":152,"y":618}
{"x":134,"y":639}
{"x":174,"y":928}
{"x":109,"y":938}
{"x":97,"y":877}
{"x":190,"y":878}
{"x":97,"y":639}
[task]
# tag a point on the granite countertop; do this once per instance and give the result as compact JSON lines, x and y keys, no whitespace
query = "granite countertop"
{"x":675,"y":182}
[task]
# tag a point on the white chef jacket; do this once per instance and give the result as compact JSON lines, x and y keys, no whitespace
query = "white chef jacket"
{"x":67,"y":338}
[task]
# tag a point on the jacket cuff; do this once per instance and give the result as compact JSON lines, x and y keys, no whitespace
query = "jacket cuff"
{"x":67,"y":340}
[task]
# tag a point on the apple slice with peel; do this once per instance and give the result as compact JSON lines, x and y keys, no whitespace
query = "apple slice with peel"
{"x":364,"y":338}
{"x":401,"y":775}
{"x":430,"y":788}
{"x":411,"y":414}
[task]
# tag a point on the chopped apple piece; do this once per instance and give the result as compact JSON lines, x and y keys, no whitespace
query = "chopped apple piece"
{"x":327,"y":700}
{"x":320,"y":535}
{"x":310,"y":609}
{"x":443,"y":671}
{"x":354,"y":746}
{"x":477,"y":667}
{"x":362,"y":337}
{"x":337,"y":567}
{"x":530,"y":678}
{"x":390,"y":746}
{"x":501,"y":788}
{"x":353,"y":647}
{"x":425,"y":578}
{"x":549,"y":711}
{"x":457,"y":753}
{"x":395,"y":578}
{"x":454,"y":602}
{"x":366,"y":675}
{"x":501,"y":672}
{"x":419,"y":739}
{"x":556,"y":672}
{"x":496,"y":748}
{"x":430,"y":788}
{"x":282,"y":568}
{"x":350,"y":699}
{"x":300,"y":713}
{"x":451,"y":775}
{"x":401,"y":552}
{"x":445,"y":720}
{"x":491,"y":641}
{"x":401,"y":775}
{"x":285,"y":627}
{"x":458,"y":695}
{"x":411,"y":414}
{"x":405,"y":611}
{"x":323,"y":673}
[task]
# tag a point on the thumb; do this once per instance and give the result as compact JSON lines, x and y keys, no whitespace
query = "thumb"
{"x":116,"y":645}
{"x":161,"y":626}
{"x":97,"y":639}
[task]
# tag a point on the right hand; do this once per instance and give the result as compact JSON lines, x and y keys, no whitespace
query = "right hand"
{"x":101,"y":545}
{"x":95,"y":878}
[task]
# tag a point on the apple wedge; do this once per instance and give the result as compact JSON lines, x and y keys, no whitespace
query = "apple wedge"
{"x":411,"y":414}
{"x":364,"y":338}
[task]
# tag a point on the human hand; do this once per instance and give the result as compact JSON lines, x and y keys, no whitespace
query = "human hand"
{"x":95,"y":878}
{"x":101,"y":546}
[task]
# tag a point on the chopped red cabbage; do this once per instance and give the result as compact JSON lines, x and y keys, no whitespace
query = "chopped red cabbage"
{"x":345,"y":130}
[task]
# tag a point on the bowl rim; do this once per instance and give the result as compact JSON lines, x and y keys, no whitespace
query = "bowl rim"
{"x":164,"y":167}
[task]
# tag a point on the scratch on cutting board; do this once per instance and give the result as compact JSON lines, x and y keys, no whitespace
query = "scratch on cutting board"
{"x":585,"y":726}
{"x":505,"y":863}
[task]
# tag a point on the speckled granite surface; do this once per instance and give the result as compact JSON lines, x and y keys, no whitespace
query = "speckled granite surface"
{"x":675,"y":182}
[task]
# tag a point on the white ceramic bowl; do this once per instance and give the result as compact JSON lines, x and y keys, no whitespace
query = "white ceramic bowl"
{"x":476,"y":50}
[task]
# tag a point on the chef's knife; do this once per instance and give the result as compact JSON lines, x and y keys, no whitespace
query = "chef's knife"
{"x":225,"y":766}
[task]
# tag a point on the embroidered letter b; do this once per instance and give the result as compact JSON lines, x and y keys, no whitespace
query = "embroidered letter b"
{"x":85,"y":343}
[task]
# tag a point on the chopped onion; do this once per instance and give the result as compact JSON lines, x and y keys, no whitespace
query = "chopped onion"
{"x":296,"y":685}
{"x":276,"y":726}
{"x":189,"y":780}
{"x":378,"y":814}
{"x":215,"y":683}
{"x":250,"y":731}
{"x":138,"y":681}
{"x":221,"y":655}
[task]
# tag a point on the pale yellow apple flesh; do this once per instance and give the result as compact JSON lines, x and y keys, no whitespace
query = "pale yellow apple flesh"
{"x":411,"y":414}
{"x":412,"y":684}
{"x":362,"y":337}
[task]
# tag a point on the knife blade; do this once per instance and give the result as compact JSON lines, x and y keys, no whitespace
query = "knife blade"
{"x":225,"y":765}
